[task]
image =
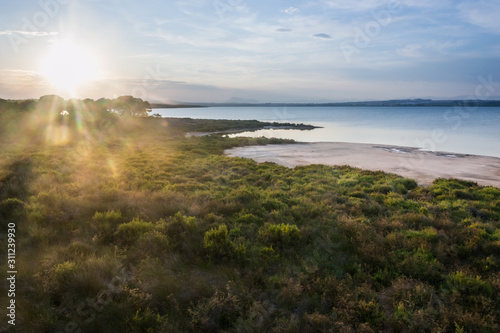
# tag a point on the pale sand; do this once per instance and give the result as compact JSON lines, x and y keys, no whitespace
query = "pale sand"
{"x":422,"y":166}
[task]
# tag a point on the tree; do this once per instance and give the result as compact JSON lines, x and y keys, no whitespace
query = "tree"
{"x":130,"y":106}
{"x":50,"y":107}
{"x":52,"y":102}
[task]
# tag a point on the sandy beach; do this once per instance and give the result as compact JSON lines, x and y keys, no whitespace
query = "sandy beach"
{"x":423,"y":166}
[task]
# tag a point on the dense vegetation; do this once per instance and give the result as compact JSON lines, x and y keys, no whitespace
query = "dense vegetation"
{"x":124,"y":224}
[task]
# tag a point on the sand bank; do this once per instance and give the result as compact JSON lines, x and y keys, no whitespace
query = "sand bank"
{"x":423,"y":166}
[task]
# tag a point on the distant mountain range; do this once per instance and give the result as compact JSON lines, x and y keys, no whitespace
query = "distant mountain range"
{"x":387,"y":103}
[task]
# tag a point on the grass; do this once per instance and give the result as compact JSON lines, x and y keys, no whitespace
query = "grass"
{"x":130,"y":226}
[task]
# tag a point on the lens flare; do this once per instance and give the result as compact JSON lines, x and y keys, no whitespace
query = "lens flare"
{"x":68,"y":66}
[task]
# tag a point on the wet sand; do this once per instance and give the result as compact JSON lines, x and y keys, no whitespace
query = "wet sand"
{"x":423,"y":166}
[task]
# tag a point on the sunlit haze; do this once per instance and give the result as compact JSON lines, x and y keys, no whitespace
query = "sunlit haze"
{"x":252,"y":51}
{"x":68,"y":66}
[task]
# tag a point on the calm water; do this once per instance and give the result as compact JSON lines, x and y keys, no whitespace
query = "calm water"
{"x":447,"y":129}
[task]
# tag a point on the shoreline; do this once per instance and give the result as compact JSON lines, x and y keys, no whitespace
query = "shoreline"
{"x":409,"y":162}
{"x":298,"y":127}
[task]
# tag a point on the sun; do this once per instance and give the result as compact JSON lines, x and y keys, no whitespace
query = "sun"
{"x":68,"y":66}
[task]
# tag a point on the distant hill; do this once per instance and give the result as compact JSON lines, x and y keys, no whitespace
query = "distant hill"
{"x":387,"y":103}
{"x":174,"y":106}
{"x":236,"y":100}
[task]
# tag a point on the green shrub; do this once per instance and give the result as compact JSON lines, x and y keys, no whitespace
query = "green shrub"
{"x":316,"y":323}
{"x":270,"y":204}
{"x":248,"y":219}
{"x":105,"y":224}
{"x":146,"y":321}
{"x":10,"y":209}
{"x":37,"y":213}
{"x":452,"y":183}
{"x":218,"y":245}
{"x":420,"y":264}
{"x":416,"y":306}
{"x":217,"y":313}
{"x":371,"y":313}
{"x":428,"y":234}
{"x":464,"y":195}
{"x":63,"y":272}
{"x":397,"y":201}
{"x":180,"y":230}
{"x":280,"y":234}
{"x":291,"y":292}
{"x":256,"y":319}
{"x":403,"y":185}
{"x":414,"y":220}
{"x":268,"y":253}
{"x":468,"y":285}
{"x":153,"y":243}
{"x":129,"y":233}
{"x":470,"y":321}
{"x":79,"y":250}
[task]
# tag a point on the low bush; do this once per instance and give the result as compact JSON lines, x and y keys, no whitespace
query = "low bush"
{"x":220,"y":247}
{"x":311,"y":248}
{"x":105,"y":224}
{"x":280,"y":235}
{"x":128,"y":233}
{"x":217,"y":313}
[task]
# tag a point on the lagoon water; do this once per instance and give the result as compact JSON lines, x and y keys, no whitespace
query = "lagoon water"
{"x":474,"y":130}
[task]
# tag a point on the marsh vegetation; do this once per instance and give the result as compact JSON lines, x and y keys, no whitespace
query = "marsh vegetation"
{"x":124,"y":224}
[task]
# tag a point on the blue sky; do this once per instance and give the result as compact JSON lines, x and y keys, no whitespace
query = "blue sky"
{"x":267,"y":51}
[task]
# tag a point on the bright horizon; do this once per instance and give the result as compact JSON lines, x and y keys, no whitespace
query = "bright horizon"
{"x":255,"y":51}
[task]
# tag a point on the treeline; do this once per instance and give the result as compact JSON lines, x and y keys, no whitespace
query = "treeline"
{"x":123,"y":105}
{"x":53,"y":118}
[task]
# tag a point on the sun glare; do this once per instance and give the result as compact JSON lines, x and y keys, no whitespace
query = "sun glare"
{"x":68,"y":66}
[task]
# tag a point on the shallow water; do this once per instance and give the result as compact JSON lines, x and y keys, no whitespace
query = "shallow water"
{"x":458,"y":130}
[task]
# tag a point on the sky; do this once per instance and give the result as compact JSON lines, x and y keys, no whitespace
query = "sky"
{"x":242,"y":50}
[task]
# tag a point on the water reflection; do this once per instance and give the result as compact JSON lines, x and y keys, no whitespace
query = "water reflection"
{"x":434,"y":140}
{"x":430,"y":128}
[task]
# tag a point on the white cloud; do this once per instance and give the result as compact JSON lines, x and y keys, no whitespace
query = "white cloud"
{"x":307,"y":25}
{"x":427,"y":3}
{"x":359,"y":5}
{"x":411,"y":51}
{"x":16,"y":82}
{"x":291,"y":10}
{"x":431,"y":49}
{"x":28,"y":33}
{"x":17,"y":74}
{"x":445,"y":47}
{"x":363,"y":5}
{"x":482,"y":13}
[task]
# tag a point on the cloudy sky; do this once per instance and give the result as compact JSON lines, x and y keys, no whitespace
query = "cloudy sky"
{"x":267,"y":51}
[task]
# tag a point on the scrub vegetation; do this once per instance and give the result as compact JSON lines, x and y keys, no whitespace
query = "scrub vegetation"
{"x":125,"y":224}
